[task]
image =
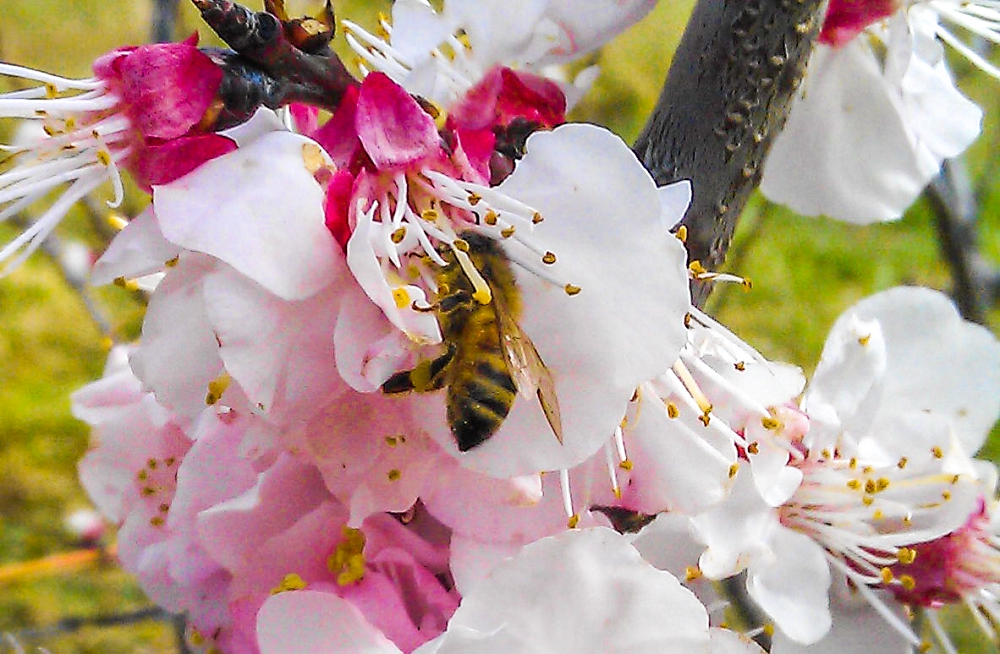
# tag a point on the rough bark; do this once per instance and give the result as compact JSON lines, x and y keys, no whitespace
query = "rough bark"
{"x":725,"y":99}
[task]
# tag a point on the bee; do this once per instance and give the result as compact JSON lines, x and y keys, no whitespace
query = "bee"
{"x":488,"y":359}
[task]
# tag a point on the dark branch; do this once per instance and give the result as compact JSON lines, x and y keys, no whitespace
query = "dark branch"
{"x":726,"y":97}
{"x":975,"y":281}
{"x":301,"y":62}
{"x":164,"y":21}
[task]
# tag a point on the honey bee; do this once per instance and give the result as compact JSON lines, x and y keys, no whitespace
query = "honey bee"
{"x":488,"y":359}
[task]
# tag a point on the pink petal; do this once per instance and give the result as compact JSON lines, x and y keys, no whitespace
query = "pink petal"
{"x":162,"y":163}
{"x":393,"y":128}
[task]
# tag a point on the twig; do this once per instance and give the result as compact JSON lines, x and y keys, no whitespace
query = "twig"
{"x":974,"y":279}
{"x":164,"y":24}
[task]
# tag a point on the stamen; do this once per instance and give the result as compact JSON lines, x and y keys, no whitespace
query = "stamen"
{"x":566,"y":495}
{"x":609,"y":460}
{"x":482,"y":294}
{"x":684,"y":375}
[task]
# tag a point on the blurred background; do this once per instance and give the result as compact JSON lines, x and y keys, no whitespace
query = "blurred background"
{"x":805,"y":271}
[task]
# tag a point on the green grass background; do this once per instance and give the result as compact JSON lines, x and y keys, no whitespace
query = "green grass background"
{"x":805,"y":272}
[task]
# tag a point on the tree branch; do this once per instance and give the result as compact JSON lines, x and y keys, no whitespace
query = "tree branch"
{"x":726,"y":97}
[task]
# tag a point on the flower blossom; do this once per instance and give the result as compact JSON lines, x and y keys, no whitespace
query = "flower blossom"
{"x":143,"y":110}
{"x":879,"y":450}
{"x":866,"y":133}
{"x":442,"y":56}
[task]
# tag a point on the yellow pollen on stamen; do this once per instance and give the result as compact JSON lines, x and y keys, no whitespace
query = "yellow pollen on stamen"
{"x":171,"y":263}
{"x":908,"y":582}
{"x":770,"y":423}
{"x":127,"y":284}
{"x":747,"y":284}
{"x":946,"y":495}
{"x":692,"y":572}
{"x":490,"y":218}
{"x":391,"y":441}
{"x":863,"y":340}
{"x":768,"y":629}
{"x":887,"y":576}
{"x":733,"y":469}
{"x":902,"y":463}
{"x":117,"y":222}
{"x":625,"y":465}
{"x":291,"y":581}
{"x":348,"y":560}
{"x":867,"y":500}
{"x":104,"y":157}
{"x":147,"y":491}
{"x":753,"y":448}
{"x":536,"y":218}
{"x":870,"y":487}
{"x":672,"y":410}
{"x":508,"y":232}
{"x":684,"y":375}
{"x":571,"y":290}
{"x":142,"y":475}
{"x":882,"y":483}
{"x":394,"y":474}
{"x":695,"y":268}
{"x":573,"y":521}
{"x":740,"y":365}
{"x":157,"y":521}
{"x":682,"y":233}
{"x":398,"y":235}
{"x":925,"y":646}
{"x":853,"y":463}
{"x":854,"y":484}
{"x":549,"y":258}
{"x":401,"y":297}
{"x":906,"y":555}
{"x":482,"y":294}
{"x":217,"y":387}
{"x":430,"y":215}
{"x":878,"y":515}
{"x":937,"y":452}
{"x":51,"y":91}
{"x":474,"y":198}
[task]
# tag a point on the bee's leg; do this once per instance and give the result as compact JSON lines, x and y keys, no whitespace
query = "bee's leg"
{"x":426,"y":376}
{"x":455,"y":301}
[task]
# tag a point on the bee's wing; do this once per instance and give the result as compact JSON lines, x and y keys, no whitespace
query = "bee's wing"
{"x":528,"y":370}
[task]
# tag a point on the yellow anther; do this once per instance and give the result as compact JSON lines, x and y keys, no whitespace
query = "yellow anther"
{"x":127,"y":284}
{"x":878,"y":515}
{"x":937,"y":452}
{"x":870,"y":486}
{"x":692,"y":572}
{"x":474,"y":198}
{"x":867,"y":500}
{"x":573,"y":521}
{"x":291,"y":581}
{"x":753,"y":448}
{"x":881,"y":484}
{"x":770,"y":423}
{"x":157,"y":521}
{"x":902,"y":463}
{"x":853,"y":464}
{"x":887,"y":576}
{"x":348,"y":560}
{"x":863,"y":340}
{"x":104,"y":157}
{"x":482,"y":294}
{"x":391,"y":441}
{"x":107,"y":343}
{"x":946,"y":495}
{"x":549,"y":258}
{"x":625,"y":465}
{"x":170,"y":263}
{"x":461,"y":244}
{"x":908,"y":582}
{"x":398,"y":235}
{"x":217,"y":387}
{"x":117,"y":222}
{"x":536,"y":218}
{"x":672,"y":410}
{"x":490,"y":218}
{"x":571,"y":289}
{"x":394,"y":474}
{"x":401,"y":297}
{"x":768,"y":629}
{"x":854,"y":484}
{"x":430,"y":215}
{"x":50,"y":90}
{"x":906,"y":555}
{"x":705,"y":418}
{"x":747,"y":284}
{"x":682,"y":234}
{"x":733,"y":469}
{"x":312,"y":158}
{"x":507,"y":232}
{"x":696,"y":268}
{"x":740,"y":365}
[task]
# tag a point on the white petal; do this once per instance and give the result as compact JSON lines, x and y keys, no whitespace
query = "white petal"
{"x":845,"y":150}
{"x":258,"y":209}
{"x":139,"y":249}
{"x":792,"y":586}
{"x":582,"y":591}
{"x":318,"y":623}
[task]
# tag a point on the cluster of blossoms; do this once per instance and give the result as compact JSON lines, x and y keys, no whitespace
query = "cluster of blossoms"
{"x":445,"y":225}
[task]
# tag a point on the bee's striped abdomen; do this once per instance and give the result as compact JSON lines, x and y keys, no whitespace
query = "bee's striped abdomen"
{"x":480,"y":388}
